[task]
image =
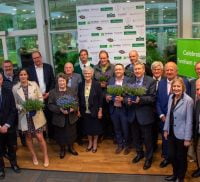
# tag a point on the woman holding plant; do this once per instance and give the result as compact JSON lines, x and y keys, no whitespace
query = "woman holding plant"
{"x":28,"y":98}
{"x":63,"y":103}
{"x":90,"y":105}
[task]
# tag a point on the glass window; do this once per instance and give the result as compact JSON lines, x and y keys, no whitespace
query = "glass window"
{"x":196,"y":10}
{"x":20,"y":49}
{"x":196,"y":31}
{"x":1,"y":52}
{"x":64,"y":49}
{"x":17,"y":15}
{"x":161,"y":44}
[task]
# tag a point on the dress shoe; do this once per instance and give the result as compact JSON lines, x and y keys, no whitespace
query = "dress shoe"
{"x":16,"y":168}
{"x":35,"y":162}
{"x":119,"y":149}
{"x":126,"y":151}
{"x":164,"y":163}
{"x":171,"y":178}
{"x":196,"y":173}
{"x":147,"y":164}
{"x":137,"y":158}
{"x":62,"y":153}
{"x":2,"y":174}
{"x":72,"y":150}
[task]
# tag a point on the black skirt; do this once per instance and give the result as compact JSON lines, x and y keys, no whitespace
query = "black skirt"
{"x":91,"y":126}
{"x":66,"y":135}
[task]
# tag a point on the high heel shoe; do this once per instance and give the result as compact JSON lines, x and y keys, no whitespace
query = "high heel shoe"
{"x":72,"y":150}
{"x":88,"y":149}
{"x":35,"y":162}
{"x":94,"y":150}
{"x":46,"y":164}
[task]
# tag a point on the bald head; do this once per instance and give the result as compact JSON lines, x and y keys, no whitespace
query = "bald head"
{"x":171,"y":70}
{"x":133,"y":56}
{"x":68,"y":68}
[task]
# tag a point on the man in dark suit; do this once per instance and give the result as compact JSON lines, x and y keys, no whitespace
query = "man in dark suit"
{"x":83,"y":62}
{"x":42,"y":73}
{"x":118,"y":111}
{"x":73,"y":78}
{"x":196,"y":173}
{"x":141,"y":115}
{"x":7,"y":128}
{"x":163,"y":92}
{"x":157,"y":71}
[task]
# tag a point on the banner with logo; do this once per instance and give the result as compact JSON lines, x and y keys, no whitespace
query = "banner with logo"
{"x":188,"y":53}
{"x":117,"y":28}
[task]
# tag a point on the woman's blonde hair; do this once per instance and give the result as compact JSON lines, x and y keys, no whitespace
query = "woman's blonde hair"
{"x":180,"y":80}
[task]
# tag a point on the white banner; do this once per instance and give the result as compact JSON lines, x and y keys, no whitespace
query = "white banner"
{"x":117,"y":28}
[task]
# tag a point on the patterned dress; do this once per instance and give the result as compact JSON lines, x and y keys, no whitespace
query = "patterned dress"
{"x":31,"y":128}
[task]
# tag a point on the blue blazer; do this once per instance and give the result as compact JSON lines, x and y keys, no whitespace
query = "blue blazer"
{"x":183,"y":118}
{"x":163,"y":97}
{"x":111,"y":81}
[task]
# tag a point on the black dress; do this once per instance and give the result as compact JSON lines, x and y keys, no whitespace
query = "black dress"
{"x":64,"y":135}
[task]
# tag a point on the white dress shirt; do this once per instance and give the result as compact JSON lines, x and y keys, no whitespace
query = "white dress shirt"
{"x":40,"y":76}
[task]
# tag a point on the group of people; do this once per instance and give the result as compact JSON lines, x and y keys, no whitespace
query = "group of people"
{"x":168,"y":105}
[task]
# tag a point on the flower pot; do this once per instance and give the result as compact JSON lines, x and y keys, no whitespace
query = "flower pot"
{"x":133,"y":97}
{"x":32,"y":113}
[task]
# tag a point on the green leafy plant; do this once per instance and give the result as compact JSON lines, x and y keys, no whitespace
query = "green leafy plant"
{"x":32,"y":105}
{"x":115,"y":90}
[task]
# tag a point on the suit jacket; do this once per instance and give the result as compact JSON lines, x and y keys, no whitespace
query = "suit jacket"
{"x":196,"y":120}
{"x":95,"y":98}
{"x":8,"y":83}
{"x":193,"y":88}
{"x":111,"y":81}
{"x":33,"y":93}
{"x":58,"y":117}
{"x":7,"y":109}
{"x":75,"y":80}
{"x":77,"y":68}
{"x":144,"y":110}
{"x":48,"y":76}
{"x":163,"y":97}
{"x":183,"y":117}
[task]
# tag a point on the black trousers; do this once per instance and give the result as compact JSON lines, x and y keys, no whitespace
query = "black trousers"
{"x":50,"y":126}
{"x":178,"y":156}
{"x":142,"y":134}
{"x":8,"y":141}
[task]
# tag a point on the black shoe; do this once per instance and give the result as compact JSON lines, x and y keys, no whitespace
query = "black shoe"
{"x":137,"y":158}
{"x":72,"y":150}
{"x":62,"y":153}
{"x":164,"y":163}
{"x":2,"y":174}
{"x":196,"y":173}
{"x":147,"y":164}
{"x":171,"y":178}
{"x":119,"y":149}
{"x":94,"y":150}
{"x":127,"y":151}
{"x":16,"y":168}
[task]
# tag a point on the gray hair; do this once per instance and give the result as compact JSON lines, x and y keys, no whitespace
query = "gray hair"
{"x":88,"y":68}
{"x":157,"y":63}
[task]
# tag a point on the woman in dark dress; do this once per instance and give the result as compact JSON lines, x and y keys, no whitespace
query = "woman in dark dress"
{"x":63,"y":120}
{"x":90,"y":106}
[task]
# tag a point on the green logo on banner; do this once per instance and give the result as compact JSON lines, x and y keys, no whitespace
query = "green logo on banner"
{"x":140,"y":7}
{"x":138,"y":45}
{"x":107,"y":9}
{"x":110,"y":15}
{"x":82,"y":23}
{"x":130,"y":33}
{"x":116,"y":21}
{"x":117,"y":58}
{"x":95,"y":34}
{"x":140,"y":39}
{"x":103,"y":46}
{"x":188,"y":53}
{"x":128,"y":27}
